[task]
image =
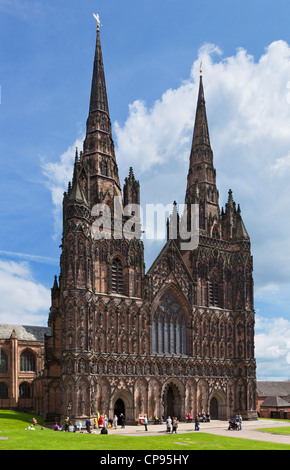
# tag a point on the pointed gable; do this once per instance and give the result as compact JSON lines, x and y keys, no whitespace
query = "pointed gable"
{"x":168,"y":268}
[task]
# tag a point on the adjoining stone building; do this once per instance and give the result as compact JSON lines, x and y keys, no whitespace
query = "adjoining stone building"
{"x":174,"y":340}
{"x":273,"y":399}
{"x":21,"y":359}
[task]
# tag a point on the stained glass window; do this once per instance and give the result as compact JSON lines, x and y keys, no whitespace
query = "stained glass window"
{"x":169,"y":333}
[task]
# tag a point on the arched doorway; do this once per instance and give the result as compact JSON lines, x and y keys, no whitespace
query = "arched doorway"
{"x":214,"y":409}
{"x":172,"y":401}
{"x":119,"y":408}
{"x":122,"y":403}
{"x":218,"y":405}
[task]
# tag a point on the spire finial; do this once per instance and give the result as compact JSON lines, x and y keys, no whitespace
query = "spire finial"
{"x":97,"y":18}
{"x":200,"y":69}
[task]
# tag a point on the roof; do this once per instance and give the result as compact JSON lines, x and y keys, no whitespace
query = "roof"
{"x":267,"y":389}
{"x":24,"y":333}
{"x":276,"y":402}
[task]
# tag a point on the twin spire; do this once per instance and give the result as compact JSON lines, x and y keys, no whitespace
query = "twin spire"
{"x":99,"y":153}
{"x":99,"y":100}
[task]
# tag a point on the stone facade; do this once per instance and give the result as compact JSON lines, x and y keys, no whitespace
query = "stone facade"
{"x":21,"y":359}
{"x":178,"y":339}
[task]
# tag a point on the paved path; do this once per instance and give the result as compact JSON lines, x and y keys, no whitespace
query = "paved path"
{"x":250,"y":430}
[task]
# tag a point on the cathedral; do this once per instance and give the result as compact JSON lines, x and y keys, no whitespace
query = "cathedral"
{"x":172,"y":341}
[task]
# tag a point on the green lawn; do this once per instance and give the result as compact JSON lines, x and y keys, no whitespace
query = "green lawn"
{"x":276,"y":430}
{"x":13,"y":424}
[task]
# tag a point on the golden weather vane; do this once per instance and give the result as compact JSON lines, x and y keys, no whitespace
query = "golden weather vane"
{"x":97,"y":18}
{"x":200,"y":68}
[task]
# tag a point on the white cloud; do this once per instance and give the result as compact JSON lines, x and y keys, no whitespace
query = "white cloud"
{"x":248,"y":107}
{"x":272,"y":348}
{"x":249,"y":119}
{"x":58,"y":175}
{"x":281,"y":164}
{"x":22,"y":298}
{"x":248,"y":110}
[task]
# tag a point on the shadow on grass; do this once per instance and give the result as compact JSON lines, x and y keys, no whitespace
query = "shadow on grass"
{"x":19,"y":416}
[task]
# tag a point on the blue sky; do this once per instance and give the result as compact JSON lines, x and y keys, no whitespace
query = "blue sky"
{"x":152,"y":50}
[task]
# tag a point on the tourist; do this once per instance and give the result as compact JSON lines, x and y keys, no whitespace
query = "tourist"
{"x":56,"y":427}
{"x":88,"y":425}
{"x":240,"y":422}
{"x":237,"y":422}
{"x":71,"y":427}
{"x":79,"y":426}
{"x":196,"y":423}
{"x":174,"y":425}
{"x":101,"y":421}
{"x":106,"y":422}
{"x":66,"y":424}
{"x":168,"y":424}
{"x":145,"y":423}
{"x":122,"y":420}
{"x":30,"y":428}
{"x":115,"y":421}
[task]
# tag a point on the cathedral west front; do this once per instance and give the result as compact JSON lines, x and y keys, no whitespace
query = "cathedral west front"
{"x":173,"y":340}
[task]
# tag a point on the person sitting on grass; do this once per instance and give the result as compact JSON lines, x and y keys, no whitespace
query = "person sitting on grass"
{"x":71,"y":427}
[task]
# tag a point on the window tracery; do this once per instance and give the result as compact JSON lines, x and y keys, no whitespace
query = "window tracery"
{"x":169,"y":332}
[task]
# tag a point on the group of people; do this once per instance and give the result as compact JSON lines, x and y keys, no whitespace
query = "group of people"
{"x":67,"y":426}
{"x":33,"y":426}
{"x":101,"y":422}
{"x":171,"y":425}
{"x":236,"y":423}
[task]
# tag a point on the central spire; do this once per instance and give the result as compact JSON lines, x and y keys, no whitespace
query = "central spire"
{"x":99,"y":151}
{"x":99,"y":100}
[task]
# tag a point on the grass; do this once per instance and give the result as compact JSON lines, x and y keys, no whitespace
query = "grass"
{"x":283,"y":431}
{"x":13,"y":424}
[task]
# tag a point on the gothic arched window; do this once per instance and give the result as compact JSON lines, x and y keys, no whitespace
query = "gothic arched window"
{"x":3,"y":361}
{"x":213,"y":293}
{"x":105,"y":170}
{"x":215,"y":233}
{"x":27,"y":362}
{"x":169,"y":332}
{"x":24,"y":390}
{"x":117,"y":277}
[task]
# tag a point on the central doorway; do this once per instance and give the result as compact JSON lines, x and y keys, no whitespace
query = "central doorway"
{"x":172,"y":401}
{"x":119,"y":408}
